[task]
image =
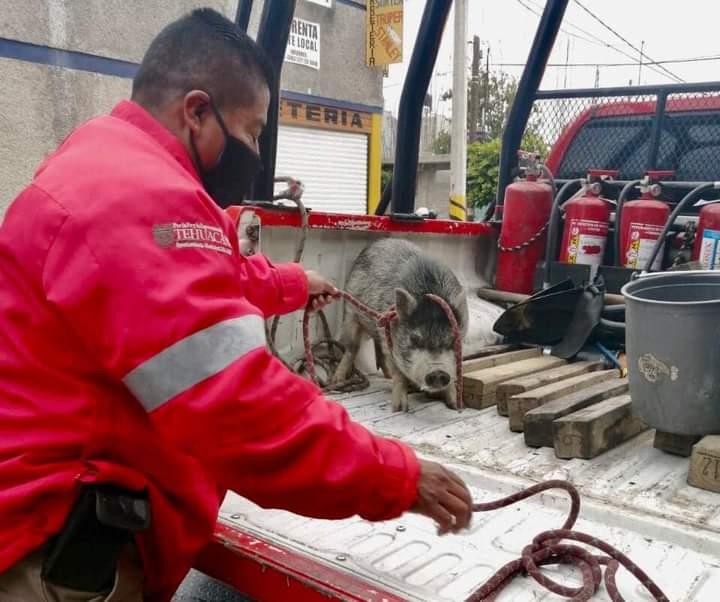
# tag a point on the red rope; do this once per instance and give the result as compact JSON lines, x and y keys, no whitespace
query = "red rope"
{"x":547,"y":549}
{"x":384,"y":321}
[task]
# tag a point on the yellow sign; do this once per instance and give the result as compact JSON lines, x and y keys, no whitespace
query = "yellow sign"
{"x":328,"y":118}
{"x":384,"y":32}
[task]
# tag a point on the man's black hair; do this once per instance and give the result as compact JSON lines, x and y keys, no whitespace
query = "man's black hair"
{"x":202,"y":51}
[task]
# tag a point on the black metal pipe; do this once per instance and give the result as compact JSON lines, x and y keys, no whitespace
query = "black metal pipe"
{"x":422,"y":64}
{"x":527,"y":88}
{"x":273,"y":34}
{"x":385,"y":199}
{"x":628,"y":91}
{"x":554,"y":223}
{"x":242,"y":16}
{"x":656,"y":133}
{"x":670,"y":185}
{"x":614,"y":312}
{"x":690,"y":196}
{"x":618,"y":217}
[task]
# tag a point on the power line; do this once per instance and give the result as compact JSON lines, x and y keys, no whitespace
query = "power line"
{"x":592,"y":38}
{"x":599,"y":41}
{"x":565,"y":31}
{"x":696,"y":59}
{"x":616,"y":34}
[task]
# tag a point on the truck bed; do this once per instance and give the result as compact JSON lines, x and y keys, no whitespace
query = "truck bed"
{"x":635,"y":497}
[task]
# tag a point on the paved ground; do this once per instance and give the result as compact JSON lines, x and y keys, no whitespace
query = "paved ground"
{"x":200,"y":588}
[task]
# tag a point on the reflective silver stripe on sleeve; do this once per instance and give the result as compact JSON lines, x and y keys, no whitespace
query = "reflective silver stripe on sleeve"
{"x":193,"y":359}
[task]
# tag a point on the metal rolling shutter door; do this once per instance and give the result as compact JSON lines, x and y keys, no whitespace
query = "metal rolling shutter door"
{"x":333,"y":166}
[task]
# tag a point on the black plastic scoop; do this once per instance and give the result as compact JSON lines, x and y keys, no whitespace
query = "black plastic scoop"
{"x":542,"y":319}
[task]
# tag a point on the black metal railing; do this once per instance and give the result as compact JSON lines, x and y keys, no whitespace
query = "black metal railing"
{"x":633,"y":130}
{"x":399,"y":194}
{"x":273,"y":34}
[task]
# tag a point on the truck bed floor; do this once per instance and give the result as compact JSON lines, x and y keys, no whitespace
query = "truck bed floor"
{"x":635,"y":497}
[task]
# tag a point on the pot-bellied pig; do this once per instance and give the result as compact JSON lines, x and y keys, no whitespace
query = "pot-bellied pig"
{"x":396,"y":272}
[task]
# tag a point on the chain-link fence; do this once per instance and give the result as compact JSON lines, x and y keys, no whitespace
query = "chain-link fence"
{"x":662,"y":129}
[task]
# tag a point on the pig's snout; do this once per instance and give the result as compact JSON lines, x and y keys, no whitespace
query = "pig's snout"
{"x":439,"y":379}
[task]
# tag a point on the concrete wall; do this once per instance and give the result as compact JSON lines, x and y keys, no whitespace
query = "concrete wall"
{"x":343,"y":74}
{"x":433,"y":189}
{"x":42,"y":103}
{"x":41,"y":106}
{"x":120,"y":29}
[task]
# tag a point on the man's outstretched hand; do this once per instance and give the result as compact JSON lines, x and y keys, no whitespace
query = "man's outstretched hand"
{"x":321,"y":291}
{"x":444,"y":497}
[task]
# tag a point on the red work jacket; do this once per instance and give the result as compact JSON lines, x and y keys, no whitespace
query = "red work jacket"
{"x":132,"y":352}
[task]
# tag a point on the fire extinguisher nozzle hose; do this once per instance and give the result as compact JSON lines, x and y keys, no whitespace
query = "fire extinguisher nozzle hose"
{"x":686,"y":201}
{"x":618,"y":217}
{"x":550,"y":249}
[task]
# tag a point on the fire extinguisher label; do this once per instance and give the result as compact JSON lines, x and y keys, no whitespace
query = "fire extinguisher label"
{"x":710,"y":250}
{"x":642,"y":241}
{"x":587,"y":242}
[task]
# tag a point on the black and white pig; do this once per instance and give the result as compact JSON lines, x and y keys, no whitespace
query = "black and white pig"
{"x":393,"y":271}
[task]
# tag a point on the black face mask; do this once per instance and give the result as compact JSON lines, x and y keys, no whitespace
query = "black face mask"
{"x":230,"y":179}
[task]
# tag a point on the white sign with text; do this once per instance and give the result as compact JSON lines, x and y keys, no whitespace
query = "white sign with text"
{"x":303,"y":46}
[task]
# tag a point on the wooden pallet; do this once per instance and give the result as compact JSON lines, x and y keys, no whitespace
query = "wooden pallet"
{"x":596,"y":429}
{"x":578,"y":409}
{"x":481,"y":385}
{"x":523,"y":384}
{"x":704,"y":470}
{"x":522,"y":403}
{"x":677,"y":445}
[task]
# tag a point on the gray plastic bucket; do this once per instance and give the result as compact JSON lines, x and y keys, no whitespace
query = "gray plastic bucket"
{"x":673,"y":350}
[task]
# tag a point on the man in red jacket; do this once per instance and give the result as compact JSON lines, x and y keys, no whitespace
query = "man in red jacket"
{"x":135,"y":383}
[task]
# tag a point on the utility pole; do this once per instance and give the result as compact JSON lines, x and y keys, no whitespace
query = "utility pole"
{"x":474,"y":109}
{"x":486,"y":102}
{"x":640,"y":66}
{"x":597,"y":76}
{"x":458,"y":151}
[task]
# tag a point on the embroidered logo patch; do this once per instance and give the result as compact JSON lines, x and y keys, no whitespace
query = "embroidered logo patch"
{"x":164,"y":235}
{"x":184,"y":235}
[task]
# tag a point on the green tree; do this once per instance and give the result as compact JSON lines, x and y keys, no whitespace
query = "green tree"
{"x":483,"y":162}
{"x":385,"y":176}
{"x":490,"y":97}
{"x":441,"y":144}
{"x":483,"y":167}
{"x":493,"y":94}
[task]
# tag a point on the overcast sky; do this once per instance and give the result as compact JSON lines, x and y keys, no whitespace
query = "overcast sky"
{"x":671,"y":29}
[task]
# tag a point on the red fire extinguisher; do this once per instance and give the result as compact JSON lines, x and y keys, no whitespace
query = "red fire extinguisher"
{"x":706,"y":248}
{"x":641,"y":223}
{"x":586,"y":223}
{"x":524,"y":229}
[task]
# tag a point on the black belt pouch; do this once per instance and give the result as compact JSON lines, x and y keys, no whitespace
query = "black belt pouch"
{"x":84,"y":555}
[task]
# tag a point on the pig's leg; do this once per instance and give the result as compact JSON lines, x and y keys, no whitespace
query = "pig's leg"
{"x":450,"y":395}
{"x":382,"y":358}
{"x":351,"y":338}
{"x":399,"y":391}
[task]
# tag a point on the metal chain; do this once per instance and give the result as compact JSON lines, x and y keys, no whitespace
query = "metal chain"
{"x":525,"y":244}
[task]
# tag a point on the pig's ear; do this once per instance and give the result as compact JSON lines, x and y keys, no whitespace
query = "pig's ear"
{"x":460,"y":303}
{"x":459,"y":299}
{"x":404,"y":302}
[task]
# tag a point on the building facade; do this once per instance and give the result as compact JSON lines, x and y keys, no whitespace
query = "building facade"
{"x":65,"y":61}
